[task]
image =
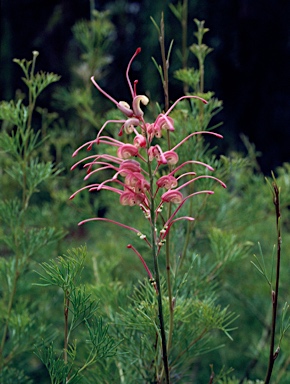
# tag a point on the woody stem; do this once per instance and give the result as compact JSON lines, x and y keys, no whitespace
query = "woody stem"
{"x":157,"y":280}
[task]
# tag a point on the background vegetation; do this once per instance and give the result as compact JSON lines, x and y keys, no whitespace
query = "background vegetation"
{"x":248,"y":68}
{"x":74,"y":317}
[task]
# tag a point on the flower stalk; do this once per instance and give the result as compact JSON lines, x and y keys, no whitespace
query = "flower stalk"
{"x":273,"y":354}
{"x":146,"y":175}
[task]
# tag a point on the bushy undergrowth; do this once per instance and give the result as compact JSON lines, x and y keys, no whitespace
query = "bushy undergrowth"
{"x":78,"y":306}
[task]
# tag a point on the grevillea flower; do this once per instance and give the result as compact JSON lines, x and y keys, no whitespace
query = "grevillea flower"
{"x":142,"y":172}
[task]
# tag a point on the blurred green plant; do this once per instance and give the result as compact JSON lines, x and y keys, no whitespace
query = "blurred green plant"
{"x":79,"y":310}
{"x":89,"y":316}
{"x":22,"y":238}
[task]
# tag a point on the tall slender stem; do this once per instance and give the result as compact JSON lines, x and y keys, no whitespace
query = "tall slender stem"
{"x":273,"y":355}
{"x":160,"y":310}
{"x":170,"y":297}
{"x":184,"y":40}
{"x":10,"y":304}
{"x":92,"y":8}
{"x":66,"y":333}
{"x":165,"y":64}
{"x":157,"y":278}
{"x":31,"y":94}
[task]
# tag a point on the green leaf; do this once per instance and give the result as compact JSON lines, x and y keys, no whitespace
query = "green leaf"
{"x":64,"y":271}
{"x":189,"y":76}
{"x":10,"y":375}
{"x":33,"y":175}
{"x":15,"y":113}
{"x":40,"y":81}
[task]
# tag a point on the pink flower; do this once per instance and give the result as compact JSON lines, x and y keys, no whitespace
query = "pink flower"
{"x":129,"y":166}
{"x":156,"y":152}
{"x":126,"y":151}
{"x":171,"y":157}
{"x":140,"y":141}
{"x":163,"y":122}
{"x":167,"y":181}
{"x":131,"y":198}
{"x":139,"y":181}
{"x":172,"y":196}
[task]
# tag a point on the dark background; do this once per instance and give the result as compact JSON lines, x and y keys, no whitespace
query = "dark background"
{"x":248,"y":69}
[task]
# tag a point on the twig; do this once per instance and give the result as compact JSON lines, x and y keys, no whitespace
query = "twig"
{"x":212,"y":375}
{"x":274,"y":354}
{"x":158,"y":284}
{"x":165,"y":63}
{"x":65,"y":312}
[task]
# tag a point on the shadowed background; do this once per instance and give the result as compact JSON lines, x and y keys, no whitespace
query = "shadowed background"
{"x":248,"y":69}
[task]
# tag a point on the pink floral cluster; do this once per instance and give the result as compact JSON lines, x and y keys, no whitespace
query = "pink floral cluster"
{"x":143,"y":173}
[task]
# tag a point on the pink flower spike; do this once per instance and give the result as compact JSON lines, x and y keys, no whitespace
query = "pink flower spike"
{"x":138,"y":50}
{"x":193,"y":134}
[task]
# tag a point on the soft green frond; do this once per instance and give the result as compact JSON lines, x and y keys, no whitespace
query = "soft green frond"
{"x":25,"y":65}
{"x":57,"y":368}
{"x":10,"y":375}
{"x":226,"y":248}
{"x":14,"y":113}
{"x":177,"y":10}
{"x":33,"y":175}
{"x":189,"y":76}
{"x":82,"y":307}
{"x":100,"y":343}
{"x":65,"y":271}
{"x":10,"y":212}
{"x":40,"y":81}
